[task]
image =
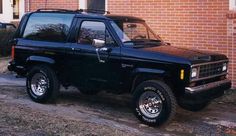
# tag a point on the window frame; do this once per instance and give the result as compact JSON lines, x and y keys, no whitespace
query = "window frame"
{"x":80,"y":22}
{"x":232,"y":4}
{"x":83,"y":4}
{"x":1,"y":6}
{"x":26,"y":21}
{"x":14,"y":3}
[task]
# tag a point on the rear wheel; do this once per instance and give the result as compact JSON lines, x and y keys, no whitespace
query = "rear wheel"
{"x":154,"y":103}
{"x":42,"y":84}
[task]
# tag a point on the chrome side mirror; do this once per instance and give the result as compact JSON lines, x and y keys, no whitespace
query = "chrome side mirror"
{"x":98,"y":43}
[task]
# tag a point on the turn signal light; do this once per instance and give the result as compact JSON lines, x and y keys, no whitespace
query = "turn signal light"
{"x":182,"y":74}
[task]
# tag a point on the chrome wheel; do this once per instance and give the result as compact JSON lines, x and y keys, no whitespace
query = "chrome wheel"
{"x":39,"y":84}
{"x":150,"y":104}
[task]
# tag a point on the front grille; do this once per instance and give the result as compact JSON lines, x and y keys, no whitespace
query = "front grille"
{"x":211,"y":69}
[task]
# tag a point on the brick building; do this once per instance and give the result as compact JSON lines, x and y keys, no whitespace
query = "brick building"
{"x":199,"y":24}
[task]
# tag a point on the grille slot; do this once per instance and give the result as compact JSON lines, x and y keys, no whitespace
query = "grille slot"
{"x":211,"y":69}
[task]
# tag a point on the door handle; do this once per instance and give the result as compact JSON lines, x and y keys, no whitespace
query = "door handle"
{"x":99,"y":58}
{"x":105,"y":49}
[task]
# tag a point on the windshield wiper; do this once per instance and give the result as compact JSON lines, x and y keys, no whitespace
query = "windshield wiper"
{"x":151,"y":40}
{"x":139,"y":41}
{"x":144,"y":43}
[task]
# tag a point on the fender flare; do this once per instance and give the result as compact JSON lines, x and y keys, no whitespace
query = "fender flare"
{"x":40,"y":59}
{"x":146,"y":71}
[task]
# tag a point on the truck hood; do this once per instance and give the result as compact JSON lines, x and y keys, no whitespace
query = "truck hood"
{"x":195,"y":56}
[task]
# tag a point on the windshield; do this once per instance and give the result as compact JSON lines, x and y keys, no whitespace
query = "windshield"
{"x":135,"y":33}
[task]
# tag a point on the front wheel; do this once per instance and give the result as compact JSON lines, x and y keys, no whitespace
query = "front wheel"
{"x":42,"y":84}
{"x":154,"y":103}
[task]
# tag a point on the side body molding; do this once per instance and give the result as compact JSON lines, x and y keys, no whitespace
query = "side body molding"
{"x":40,"y":59}
{"x":148,"y":71}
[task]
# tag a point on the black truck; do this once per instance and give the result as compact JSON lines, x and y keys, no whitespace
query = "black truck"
{"x":119,"y":54}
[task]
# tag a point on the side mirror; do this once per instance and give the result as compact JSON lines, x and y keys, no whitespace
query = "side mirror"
{"x":98,"y":43}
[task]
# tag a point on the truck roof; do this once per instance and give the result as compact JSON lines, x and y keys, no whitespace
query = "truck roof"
{"x":93,"y":14}
{"x":124,"y":18}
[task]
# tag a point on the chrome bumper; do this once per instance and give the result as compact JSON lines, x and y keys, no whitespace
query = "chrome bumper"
{"x":223,"y":83}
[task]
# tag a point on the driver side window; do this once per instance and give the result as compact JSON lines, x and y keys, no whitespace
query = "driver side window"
{"x":91,"y":31}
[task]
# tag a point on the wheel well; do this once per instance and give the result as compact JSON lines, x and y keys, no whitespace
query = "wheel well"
{"x":30,"y":64}
{"x":138,"y":79}
{"x":62,"y":79}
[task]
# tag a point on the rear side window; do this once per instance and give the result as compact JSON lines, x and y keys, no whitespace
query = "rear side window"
{"x":49,"y":27}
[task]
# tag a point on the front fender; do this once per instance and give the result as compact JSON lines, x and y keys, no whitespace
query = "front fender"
{"x":142,"y":74}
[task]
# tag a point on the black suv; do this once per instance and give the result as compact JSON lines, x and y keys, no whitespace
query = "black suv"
{"x":120,"y":54}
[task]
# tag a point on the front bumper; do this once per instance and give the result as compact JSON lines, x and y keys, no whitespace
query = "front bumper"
{"x":206,"y":92}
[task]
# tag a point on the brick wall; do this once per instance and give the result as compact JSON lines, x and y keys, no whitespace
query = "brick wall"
{"x":198,"y":24}
{"x":32,"y":5}
{"x":232,"y":43}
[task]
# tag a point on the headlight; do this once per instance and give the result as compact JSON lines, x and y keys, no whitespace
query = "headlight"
{"x":194,"y":72}
{"x":224,"y":68}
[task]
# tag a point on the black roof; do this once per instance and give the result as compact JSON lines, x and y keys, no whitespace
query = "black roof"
{"x":122,"y":18}
{"x":89,"y":14}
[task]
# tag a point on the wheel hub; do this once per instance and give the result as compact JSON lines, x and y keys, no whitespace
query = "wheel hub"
{"x":150,"y":104}
{"x":39,"y":84}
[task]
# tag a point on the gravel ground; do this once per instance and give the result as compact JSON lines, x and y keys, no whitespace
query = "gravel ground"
{"x":3,"y":64}
{"x":104,"y":114}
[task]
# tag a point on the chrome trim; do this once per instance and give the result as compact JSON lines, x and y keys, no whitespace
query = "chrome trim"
{"x":98,"y":56}
{"x":20,"y":67}
{"x":150,"y":104}
{"x":207,"y":63}
{"x":39,"y":84}
{"x":206,"y":86}
{"x":203,"y":78}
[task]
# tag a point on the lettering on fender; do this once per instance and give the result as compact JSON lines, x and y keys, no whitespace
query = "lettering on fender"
{"x":127,"y":65}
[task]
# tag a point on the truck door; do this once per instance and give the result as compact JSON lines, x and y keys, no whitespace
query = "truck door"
{"x":96,"y":56}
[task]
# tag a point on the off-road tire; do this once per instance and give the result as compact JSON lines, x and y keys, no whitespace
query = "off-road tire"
{"x":52,"y":88}
{"x":168,"y":102}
